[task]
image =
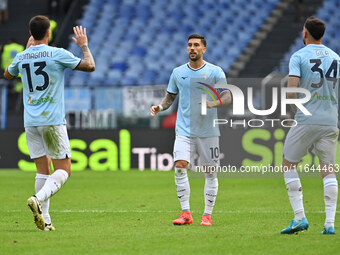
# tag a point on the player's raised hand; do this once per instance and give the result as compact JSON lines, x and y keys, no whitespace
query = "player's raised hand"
{"x":30,"y":42}
{"x":80,"y":36}
{"x":154,"y":110}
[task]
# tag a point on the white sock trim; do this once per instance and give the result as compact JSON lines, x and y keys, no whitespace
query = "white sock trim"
{"x":63,"y":173}
{"x":291,"y":176}
{"x":52,"y":185}
{"x":41,"y":176}
{"x":330,"y":180}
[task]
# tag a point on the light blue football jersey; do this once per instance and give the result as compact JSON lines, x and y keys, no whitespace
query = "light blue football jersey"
{"x":190,"y":84}
{"x":318,"y":69}
{"x":42,"y":73}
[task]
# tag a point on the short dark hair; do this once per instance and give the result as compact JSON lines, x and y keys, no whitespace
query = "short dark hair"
{"x":198,"y":36}
{"x":316,"y":27}
{"x":38,"y":26}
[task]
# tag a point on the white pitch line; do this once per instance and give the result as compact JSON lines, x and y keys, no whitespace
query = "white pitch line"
{"x":150,"y":211}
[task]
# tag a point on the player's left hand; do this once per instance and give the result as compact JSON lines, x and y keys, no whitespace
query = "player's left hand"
{"x":80,"y":36}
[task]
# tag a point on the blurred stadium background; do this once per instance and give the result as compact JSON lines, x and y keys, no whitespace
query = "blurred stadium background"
{"x":137,"y":43}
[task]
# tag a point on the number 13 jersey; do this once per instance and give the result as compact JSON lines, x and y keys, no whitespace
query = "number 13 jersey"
{"x":318,"y":69}
{"x":42,"y":72}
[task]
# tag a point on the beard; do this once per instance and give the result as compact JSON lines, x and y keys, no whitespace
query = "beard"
{"x":197,"y":57}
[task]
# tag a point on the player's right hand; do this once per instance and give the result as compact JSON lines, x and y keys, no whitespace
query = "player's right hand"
{"x":80,"y":36}
{"x":154,"y":110}
{"x":30,"y":42}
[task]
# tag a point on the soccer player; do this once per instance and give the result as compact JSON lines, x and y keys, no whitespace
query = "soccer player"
{"x":195,"y":132}
{"x":42,"y":71}
{"x":315,"y":68}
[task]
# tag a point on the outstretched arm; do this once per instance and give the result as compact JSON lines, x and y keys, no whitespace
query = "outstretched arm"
{"x":87,"y":64}
{"x":225,"y":99}
{"x":165,"y":104}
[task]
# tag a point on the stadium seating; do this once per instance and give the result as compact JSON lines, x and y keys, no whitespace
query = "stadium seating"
{"x":139,"y":42}
{"x":77,"y":99}
{"x":328,"y":13}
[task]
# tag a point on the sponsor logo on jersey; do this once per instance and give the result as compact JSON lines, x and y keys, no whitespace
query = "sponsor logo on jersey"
{"x":40,"y":100}
{"x":318,"y":97}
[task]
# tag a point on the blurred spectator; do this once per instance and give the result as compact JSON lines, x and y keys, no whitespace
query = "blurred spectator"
{"x":54,"y":28}
{"x":3,"y":11}
{"x":9,"y":51}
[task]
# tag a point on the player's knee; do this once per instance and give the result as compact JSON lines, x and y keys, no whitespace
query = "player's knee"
{"x":181,"y":164}
{"x":287,"y":165}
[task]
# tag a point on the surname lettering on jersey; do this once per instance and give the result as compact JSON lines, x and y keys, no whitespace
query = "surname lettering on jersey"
{"x":322,"y":53}
{"x":40,"y":54}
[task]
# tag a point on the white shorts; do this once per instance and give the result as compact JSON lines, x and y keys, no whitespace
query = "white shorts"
{"x":207,"y":148}
{"x":51,"y":141}
{"x":300,"y":138}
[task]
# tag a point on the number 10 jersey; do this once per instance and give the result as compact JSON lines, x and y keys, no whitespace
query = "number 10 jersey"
{"x":318,"y":69}
{"x":42,"y":72}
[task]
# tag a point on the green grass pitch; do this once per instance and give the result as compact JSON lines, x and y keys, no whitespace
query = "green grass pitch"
{"x":131,"y":213}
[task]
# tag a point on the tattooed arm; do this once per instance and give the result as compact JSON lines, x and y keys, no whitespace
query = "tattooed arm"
{"x":225,"y":99}
{"x":87,"y":64}
{"x":165,"y":104}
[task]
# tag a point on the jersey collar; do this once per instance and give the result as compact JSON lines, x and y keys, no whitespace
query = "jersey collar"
{"x":39,"y":45}
{"x":197,"y":68}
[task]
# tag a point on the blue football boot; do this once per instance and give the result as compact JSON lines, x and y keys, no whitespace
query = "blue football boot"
{"x":328,"y":231}
{"x":296,"y":226}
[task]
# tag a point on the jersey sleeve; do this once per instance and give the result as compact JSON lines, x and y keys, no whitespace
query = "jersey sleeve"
{"x":172,"y":86}
{"x":67,"y":59}
{"x":220,"y":79}
{"x":294,"y":66}
{"x":13,"y":68}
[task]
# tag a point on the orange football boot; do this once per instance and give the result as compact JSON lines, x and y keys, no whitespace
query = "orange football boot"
{"x":206,"y":220}
{"x":185,"y":218}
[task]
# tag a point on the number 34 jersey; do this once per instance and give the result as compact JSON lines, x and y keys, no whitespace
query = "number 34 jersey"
{"x":42,"y":72}
{"x":318,"y":69}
